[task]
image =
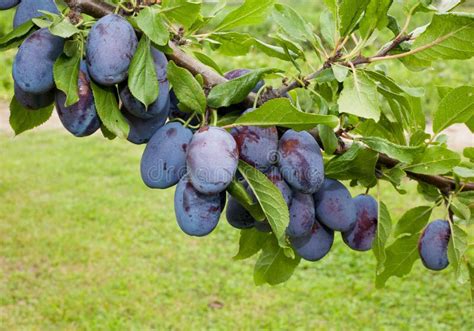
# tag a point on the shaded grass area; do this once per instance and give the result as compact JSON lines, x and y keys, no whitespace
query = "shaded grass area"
{"x":85,"y":245}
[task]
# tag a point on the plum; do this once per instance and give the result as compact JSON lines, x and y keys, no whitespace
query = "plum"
{"x":33,"y":65}
{"x":142,"y":130}
{"x":316,"y":245}
{"x":212,"y":160}
{"x":433,"y":245}
{"x":238,"y":216}
{"x":361,"y":236}
{"x":335,"y":207}
{"x":197,"y":214}
{"x":301,"y":161}
{"x":7,"y":4}
{"x":164,"y":159}
{"x":161,"y":104}
{"x":302,"y":215}
{"x":277,"y":179}
{"x":33,"y":101}
{"x":257,"y":146}
{"x":28,"y":9}
{"x":111,"y":44}
{"x":81,"y":118}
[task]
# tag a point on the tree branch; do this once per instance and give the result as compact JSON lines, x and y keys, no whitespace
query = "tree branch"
{"x":99,"y":8}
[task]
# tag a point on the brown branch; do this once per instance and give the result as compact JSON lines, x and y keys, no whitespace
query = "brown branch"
{"x":98,"y":8}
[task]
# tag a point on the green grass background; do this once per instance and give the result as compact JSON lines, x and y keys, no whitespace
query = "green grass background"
{"x":85,"y":245}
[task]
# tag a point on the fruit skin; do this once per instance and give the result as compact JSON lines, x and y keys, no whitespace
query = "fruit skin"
{"x":197,"y":214}
{"x":7,"y":4}
{"x":238,"y":216}
{"x":433,"y":245}
{"x":164,"y":159}
{"x":236,"y":73}
{"x":212,"y":160}
{"x":33,"y":101}
{"x":33,"y":65}
{"x":111,"y":44}
{"x":28,"y":9}
{"x":316,"y":245}
{"x":162,"y":103}
{"x":277,"y":179}
{"x":361,"y":236}
{"x":335,"y":207}
{"x":81,"y":118}
{"x":302,"y":215}
{"x":257,"y":146}
{"x":301,"y":161}
{"x":142,"y":130}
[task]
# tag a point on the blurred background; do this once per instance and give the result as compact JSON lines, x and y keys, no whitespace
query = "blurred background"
{"x":85,"y":245}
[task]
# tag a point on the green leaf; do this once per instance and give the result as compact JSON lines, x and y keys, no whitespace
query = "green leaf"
{"x":395,"y":176}
{"x":413,"y":221}
{"x":402,"y":153}
{"x":275,"y":51}
{"x":64,"y":29}
{"x":457,"y":248}
{"x":375,"y":17}
{"x":209,"y":62}
{"x":250,"y":243}
{"x":235,"y":90}
{"x":434,"y":161}
{"x":456,"y":107}
{"x":249,"y":13}
{"x":22,"y":119}
{"x":384,"y":227}
{"x":232,"y":43}
{"x":270,"y":199}
{"x":184,"y":12}
{"x":282,"y":113}
{"x":142,"y":80}
{"x":349,"y":13}
{"x":464,"y":172}
{"x":469,"y":153}
{"x":449,"y":36}
{"x":357,"y":163}
{"x":152,"y":25}
{"x":327,"y":27}
{"x":16,"y":36}
{"x":66,"y":76}
{"x":329,"y":139}
{"x":187,"y":88}
{"x":399,"y":259}
{"x":470,"y":268}
{"x":360,"y":97}
{"x":340,"y":72}
{"x":108,"y":110}
{"x":293,"y":23}
{"x":273,"y":266}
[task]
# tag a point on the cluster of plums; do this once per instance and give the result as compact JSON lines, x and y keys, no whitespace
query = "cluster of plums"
{"x":203,"y":163}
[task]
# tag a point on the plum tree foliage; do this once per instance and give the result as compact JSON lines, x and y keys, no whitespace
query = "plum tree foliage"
{"x":144,"y":71}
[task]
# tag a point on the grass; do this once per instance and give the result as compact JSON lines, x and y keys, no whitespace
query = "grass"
{"x":85,"y":246}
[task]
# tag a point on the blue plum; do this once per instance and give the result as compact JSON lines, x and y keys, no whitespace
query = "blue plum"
{"x":257,"y":146}
{"x":28,"y":9}
{"x":212,"y":160}
{"x":335,"y":207}
{"x":197,"y":214}
{"x":301,"y":161}
{"x":7,"y":4}
{"x":33,"y":65}
{"x":433,"y":245}
{"x":162,"y":103}
{"x":238,"y":216}
{"x":316,"y":245}
{"x":81,"y":118}
{"x":277,"y":179}
{"x":111,"y":44}
{"x":302,"y":215}
{"x":361,"y":236}
{"x":236,"y":73}
{"x":33,"y":101}
{"x":142,"y":130}
{"x":164,"y":159}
